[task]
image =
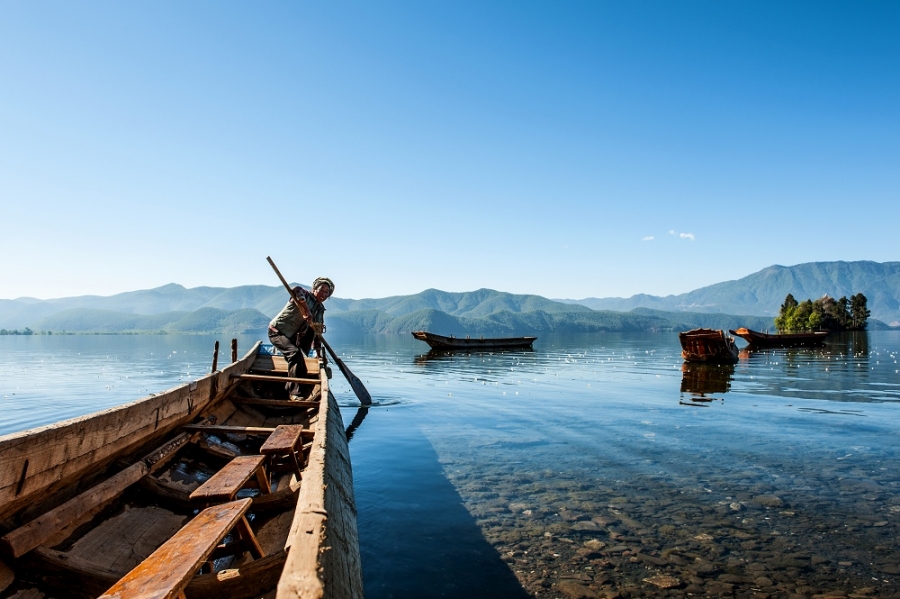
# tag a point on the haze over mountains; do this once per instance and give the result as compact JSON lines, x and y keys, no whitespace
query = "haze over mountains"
{"x":755,"y":299}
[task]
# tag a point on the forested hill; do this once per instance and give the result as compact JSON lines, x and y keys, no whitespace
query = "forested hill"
{"x":762,"y":293}
{"x":173,"y":308}
{"x":248,"y":310}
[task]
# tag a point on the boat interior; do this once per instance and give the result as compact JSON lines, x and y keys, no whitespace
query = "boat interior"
{"x":203,"y":510}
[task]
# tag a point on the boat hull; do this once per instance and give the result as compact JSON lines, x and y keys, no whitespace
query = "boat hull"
{"x":45,"y":471}
{"x":708,"y":345}
{"x":756,"y":339}
{"x":441,"y":342}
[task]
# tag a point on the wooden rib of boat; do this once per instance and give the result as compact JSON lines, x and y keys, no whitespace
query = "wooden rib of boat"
{"x":468,"y":343}
{"x":708,"y":345}
{"x":221,"y":488}
{"x":763,"y":340}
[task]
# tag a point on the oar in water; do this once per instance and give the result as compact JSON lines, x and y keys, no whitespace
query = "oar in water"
{"x":357,"y":385}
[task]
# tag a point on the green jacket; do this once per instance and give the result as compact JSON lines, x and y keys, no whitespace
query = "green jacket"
{"x":290,"y":321}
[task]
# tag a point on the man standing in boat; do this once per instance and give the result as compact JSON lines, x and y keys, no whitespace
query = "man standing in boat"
{"x":294,"y":336}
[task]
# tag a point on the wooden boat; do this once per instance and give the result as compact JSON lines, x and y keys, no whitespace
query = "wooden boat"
{"x":708,"y":345}
{"x":763,"y":340}
{"x":458,"y":343}
{"x":219,"y":488}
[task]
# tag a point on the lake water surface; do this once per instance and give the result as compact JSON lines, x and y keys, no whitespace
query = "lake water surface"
{"x":595,"y":465}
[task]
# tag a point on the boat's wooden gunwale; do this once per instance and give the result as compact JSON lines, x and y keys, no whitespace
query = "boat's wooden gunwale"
{"x":323,"y":547}
{"x":37,"y":462}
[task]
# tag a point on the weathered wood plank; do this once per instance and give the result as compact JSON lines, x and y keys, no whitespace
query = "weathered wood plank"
{"x":225,"y":483}
{"x":25,"y":538}
{"x":7,"y":575}
{"x":247,"y":430}
{"x":275,"y":379}
{"x":276,"y":403}
{"x":168,"y":570}
{"x":310,"y":571}
{"x":123,"y":541}
{"x":279,"y":364}
{"x":283,"y":440}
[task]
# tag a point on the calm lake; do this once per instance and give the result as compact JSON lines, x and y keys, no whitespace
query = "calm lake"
{"x":595,"y":465}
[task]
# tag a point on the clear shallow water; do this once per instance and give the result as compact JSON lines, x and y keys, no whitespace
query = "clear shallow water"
{"x":595,"y":462}
{"x":601,"y":461}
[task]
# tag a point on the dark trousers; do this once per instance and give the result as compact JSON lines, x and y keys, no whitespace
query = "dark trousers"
{"x":294,"y":351}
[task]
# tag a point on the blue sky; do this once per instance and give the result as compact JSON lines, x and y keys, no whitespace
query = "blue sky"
{"x":569,"y":149}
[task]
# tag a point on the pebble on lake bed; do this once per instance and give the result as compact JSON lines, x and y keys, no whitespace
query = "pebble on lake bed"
{"x":664,"y":582}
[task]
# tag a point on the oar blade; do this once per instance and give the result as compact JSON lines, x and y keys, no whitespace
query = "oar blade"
{"x":357,"y":385}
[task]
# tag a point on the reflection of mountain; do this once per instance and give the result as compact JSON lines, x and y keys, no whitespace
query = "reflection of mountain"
{"x":702,"y":379}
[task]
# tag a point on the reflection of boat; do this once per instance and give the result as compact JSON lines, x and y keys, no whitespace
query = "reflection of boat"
{"x":761,"y":340}
{"x":452,"y":343}
{"x":701,"y":379}
{"x":708,"y":345}
{"x":195,"y":491}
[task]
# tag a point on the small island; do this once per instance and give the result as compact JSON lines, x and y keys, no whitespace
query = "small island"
{"x":824,"y":314}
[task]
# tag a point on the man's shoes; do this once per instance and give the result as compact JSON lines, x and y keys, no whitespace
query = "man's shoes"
{"x":297,"y":398}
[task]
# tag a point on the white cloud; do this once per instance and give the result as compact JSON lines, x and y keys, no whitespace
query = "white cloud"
{"x":648,"y":238}
{"x":671,"y":231}
{"x":687,"y":236}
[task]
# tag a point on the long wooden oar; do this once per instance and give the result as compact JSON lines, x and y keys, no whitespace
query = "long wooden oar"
{"x":357,"y":385}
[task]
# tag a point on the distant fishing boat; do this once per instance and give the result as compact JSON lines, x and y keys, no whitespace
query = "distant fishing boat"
{"x":763,"y":340}
{"x":708,"y":345}
{"x":454,"y":343}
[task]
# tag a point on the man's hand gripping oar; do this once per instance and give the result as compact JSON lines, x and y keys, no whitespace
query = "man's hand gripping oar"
{"x":358,"y":388}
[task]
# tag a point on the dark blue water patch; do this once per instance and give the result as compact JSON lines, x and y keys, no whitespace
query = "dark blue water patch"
{"x":417,"y":538}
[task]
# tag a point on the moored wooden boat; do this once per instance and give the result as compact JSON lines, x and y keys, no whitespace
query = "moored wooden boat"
{"x":708,"y":345}
{"x":759,"y":340}
{"x":219,"y":488}
{"x":468,"y":343}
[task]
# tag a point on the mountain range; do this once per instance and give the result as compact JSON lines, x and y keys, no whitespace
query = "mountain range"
{"x":763,"y":292}
{"x":247,"y":309}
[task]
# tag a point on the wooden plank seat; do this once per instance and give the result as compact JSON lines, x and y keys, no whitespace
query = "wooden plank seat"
{"x":167,"y":571}
{"x":224,"y":484}
{"x":281,"y":447}
{"x":244,"y":430}
{"x":275,"y":379}
{"x":276,"y":403}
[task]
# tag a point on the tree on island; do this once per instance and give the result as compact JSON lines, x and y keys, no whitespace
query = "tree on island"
{"x":825,"y":314}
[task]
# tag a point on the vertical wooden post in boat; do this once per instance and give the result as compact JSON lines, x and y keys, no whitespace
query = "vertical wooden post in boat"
{"x":215,"y":365}
{"x":234,"y":350}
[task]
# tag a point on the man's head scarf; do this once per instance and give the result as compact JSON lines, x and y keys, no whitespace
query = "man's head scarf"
{"x":324,"y":281}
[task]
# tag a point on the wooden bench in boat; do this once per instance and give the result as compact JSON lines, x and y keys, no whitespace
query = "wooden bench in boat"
{"x":245,"y":430}
{"x":276,"y":403}
{"x":224,"y":484}
{"x":281,"y":446}
{"x":167,"y":571}
{"x":275,"y":379}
